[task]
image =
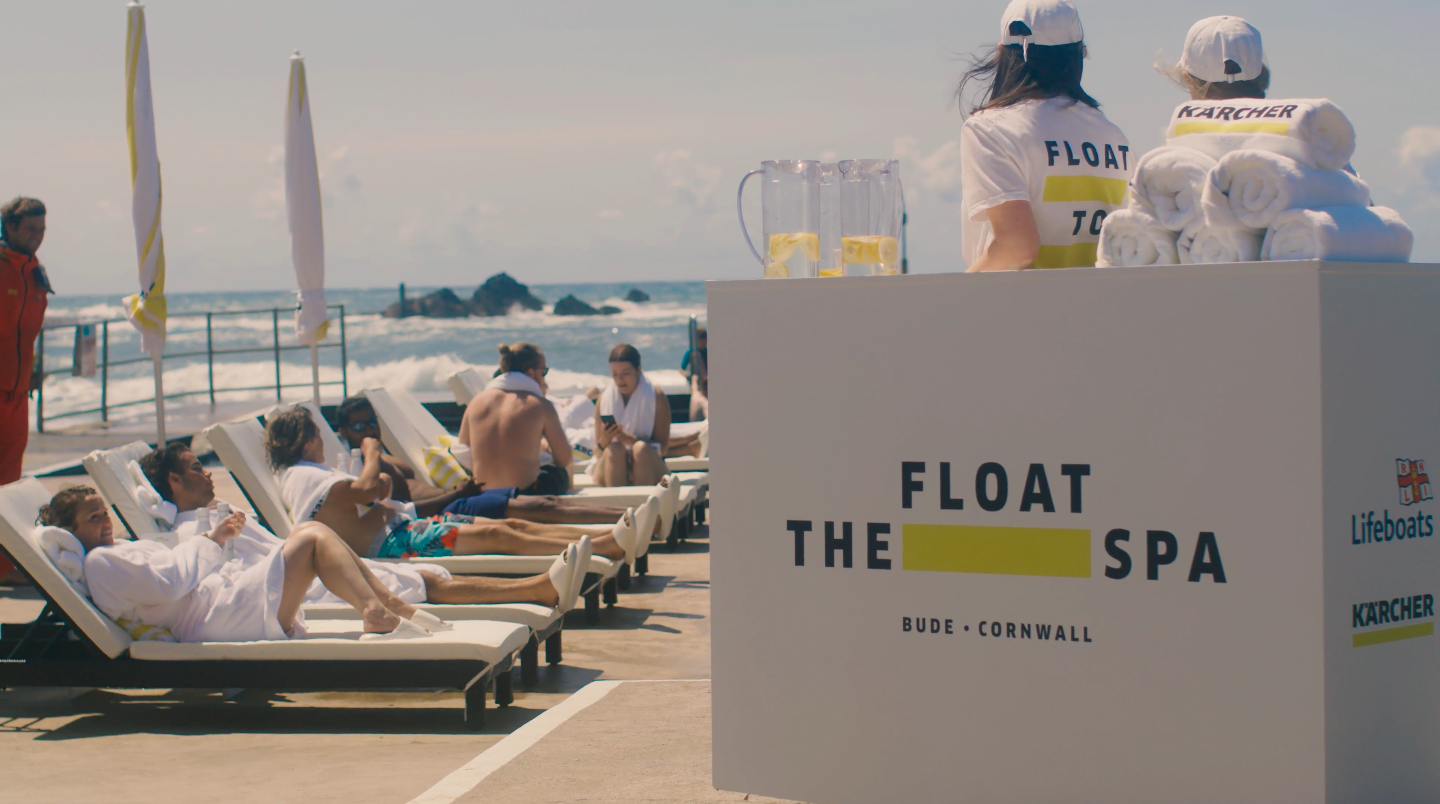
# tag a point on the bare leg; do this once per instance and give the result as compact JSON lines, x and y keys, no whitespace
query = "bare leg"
{"x":683,"y":445}
{"x":699,"y":407}
{"x":568,"y":532}
{"x":474,"y":589}
{"x":554,"y":510}
{"x":314,"y":550}
{"x":649,"y":467}
{"x":612,"y":466}
{"x":495,"y":539}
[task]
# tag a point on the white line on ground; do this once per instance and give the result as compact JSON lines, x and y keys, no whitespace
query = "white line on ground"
{"x":474,"y":772}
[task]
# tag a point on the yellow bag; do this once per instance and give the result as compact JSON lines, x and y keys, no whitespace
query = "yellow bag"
{"x":445,"y":472}
{"x":146,"y":633}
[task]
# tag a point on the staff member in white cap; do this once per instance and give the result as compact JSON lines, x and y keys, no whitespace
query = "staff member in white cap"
{"x":1040,"y":165}
{"x":1223,"y":59}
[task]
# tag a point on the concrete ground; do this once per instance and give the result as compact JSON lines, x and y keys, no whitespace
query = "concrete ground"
{"x":121,"y":746}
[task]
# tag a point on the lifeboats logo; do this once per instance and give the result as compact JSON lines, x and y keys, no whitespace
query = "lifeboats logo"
{"x":1414,"y":483}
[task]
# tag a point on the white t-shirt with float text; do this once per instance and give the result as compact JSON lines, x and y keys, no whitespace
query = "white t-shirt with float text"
{"x":1064,"y":157}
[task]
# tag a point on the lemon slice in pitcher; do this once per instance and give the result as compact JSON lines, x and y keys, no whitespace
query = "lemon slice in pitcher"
{"x":867,"y":249}
{"x":777,"y":270}
{"x":783,"y":245}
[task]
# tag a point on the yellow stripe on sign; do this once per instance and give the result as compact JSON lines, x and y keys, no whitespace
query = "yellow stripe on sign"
{"x":1392,"y":635}
{"x":1076,"y":255}
{"x":1243,"y":127}
{"x":988,"y":550}
{"x":1075,"y":189}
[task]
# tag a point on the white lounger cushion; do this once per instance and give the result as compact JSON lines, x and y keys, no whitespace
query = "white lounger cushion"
{"x":339,"y":640}
{"x":466,"y":384}
{"x":106,"y":468}
{"x":509,"y":565}
{"x":19,"y":506}
{"x":406,"y":427}
{"x":530,"y":615}
{"x":687,"y":464}
{"x":240,"y":445}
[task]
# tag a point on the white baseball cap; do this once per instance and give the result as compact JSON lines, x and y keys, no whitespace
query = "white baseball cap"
{"x":1223,"y":49}
{"x":1040,"y":22}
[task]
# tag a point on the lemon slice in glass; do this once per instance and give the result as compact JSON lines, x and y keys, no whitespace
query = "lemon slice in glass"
{"x":777,"y":270}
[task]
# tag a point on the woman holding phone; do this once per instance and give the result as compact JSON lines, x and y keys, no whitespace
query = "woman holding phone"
{"x":632,"y":425}
{"x":1040,"y":165}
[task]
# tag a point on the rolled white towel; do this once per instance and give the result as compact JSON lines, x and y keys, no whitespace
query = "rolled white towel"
{"x":1345,"y":234}
{"x":1133,"y":237}
{"x":1203,"y":243}
{"x":1249,"y":188}
{"x":1312,"y":131}
{"x":149,"y":498}
{"x":1167,"y":184}
{"x":65,"y":552}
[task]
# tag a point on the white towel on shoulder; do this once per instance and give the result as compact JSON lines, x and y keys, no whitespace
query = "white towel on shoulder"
{"x":1312,"y":131}
{"x":637,"y":417}
{"x":515,"y":381}
{"x":1167,"y":184}
{"x":148,"y":497}
{"x":65,"y":552}
{"x":1345,"y":234}
{"x":1202,"y":243}
{"x":1133,"y":237}
{"x":1249,"y":188}
{"x":303,"y":488}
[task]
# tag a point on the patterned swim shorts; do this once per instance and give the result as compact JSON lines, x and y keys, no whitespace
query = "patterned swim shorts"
{"x":419,"y":538}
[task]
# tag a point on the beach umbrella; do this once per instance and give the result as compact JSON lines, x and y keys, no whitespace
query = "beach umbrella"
{"x":146,"y":309}
{"x":307,"y":229}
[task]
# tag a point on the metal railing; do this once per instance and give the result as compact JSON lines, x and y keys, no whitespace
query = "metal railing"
{"x":104,"y":363}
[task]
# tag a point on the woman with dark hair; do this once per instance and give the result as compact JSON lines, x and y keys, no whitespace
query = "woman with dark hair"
{"x":1040,"y":165}
{"x":632,"y":425}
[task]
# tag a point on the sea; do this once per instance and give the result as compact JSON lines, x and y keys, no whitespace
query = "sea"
{"x":415,"y":354}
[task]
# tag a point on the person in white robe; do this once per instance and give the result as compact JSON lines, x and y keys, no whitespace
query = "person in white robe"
{"x":632,"y":425}
{"x":182,"y":480}
{"x":191,"y":593}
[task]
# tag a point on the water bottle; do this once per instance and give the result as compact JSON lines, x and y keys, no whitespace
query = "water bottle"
{"x":222,"y":510}
{"x":342,"y":463}
{"x":357,"y":462}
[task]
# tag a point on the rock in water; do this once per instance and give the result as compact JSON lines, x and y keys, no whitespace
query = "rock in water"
{"x":573,"y":306}
{"x":442,"y":303}
{"x":637,"y":295}
{"x":499,"y":293}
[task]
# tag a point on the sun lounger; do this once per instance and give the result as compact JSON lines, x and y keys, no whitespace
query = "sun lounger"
{"x":73,"y":644}
{"x":107,"y":469}
{"x":240,"y":445}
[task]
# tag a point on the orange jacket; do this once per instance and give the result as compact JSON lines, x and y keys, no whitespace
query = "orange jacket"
{"x":23,"y":289}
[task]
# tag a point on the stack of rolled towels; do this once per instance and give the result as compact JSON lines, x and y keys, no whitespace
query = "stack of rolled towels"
{"x":1252,"y":179}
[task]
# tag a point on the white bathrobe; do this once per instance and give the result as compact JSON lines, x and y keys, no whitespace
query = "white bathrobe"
{"x":190,"y":590}
{"x":255,"y":543}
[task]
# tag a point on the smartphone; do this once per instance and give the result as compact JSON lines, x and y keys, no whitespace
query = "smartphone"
{"x":607,"y":420}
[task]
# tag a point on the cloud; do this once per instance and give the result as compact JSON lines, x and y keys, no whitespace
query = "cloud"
{"x":936,"y":174}
{"x":687,"y":183}
{"x":1419,"y":152}
{"x":609,"y":214}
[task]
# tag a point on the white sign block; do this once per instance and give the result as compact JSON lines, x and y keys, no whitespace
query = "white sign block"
{"x":1131,"y":536}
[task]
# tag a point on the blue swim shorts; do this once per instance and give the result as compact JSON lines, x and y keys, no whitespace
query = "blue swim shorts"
{"x":422,"y":538}
{"x":488,"y":504}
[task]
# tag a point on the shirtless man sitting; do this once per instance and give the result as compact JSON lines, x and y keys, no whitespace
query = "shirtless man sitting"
{"x":504,"y":424}
{"x":357,"y":421}
{"x":356,"y":507}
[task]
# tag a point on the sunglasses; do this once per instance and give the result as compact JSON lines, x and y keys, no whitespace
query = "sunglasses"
{"x":363,"y":425}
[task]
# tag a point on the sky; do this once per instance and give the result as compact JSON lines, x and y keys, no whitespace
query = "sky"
{"x":597,"y":141}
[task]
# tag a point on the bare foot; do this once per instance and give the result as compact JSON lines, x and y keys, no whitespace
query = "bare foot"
{"x":606,"y":546}
{"x":380,"y":620}
{"x":548,"y":595}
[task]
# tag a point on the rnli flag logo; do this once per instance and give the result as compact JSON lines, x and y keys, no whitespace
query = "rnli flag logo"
{"x":1414,"y":483}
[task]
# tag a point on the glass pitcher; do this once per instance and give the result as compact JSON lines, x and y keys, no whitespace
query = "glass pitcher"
{"x":871,"y":199}
{"x":831,"y":263}
{"x":790,"y":215}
